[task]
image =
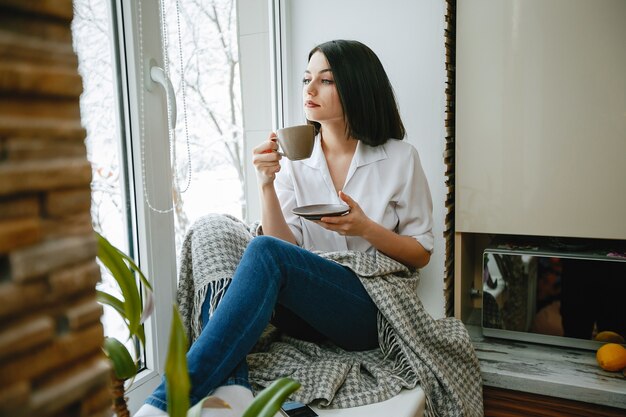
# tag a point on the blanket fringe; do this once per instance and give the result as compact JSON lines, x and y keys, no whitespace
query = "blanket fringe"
{"x":391,"y":349}
{"x":215,"y":290}
{"x":430,"y":410}
{"x":402,"y":369}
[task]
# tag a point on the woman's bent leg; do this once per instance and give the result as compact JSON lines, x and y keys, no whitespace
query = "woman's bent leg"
{"x":323,"y":293}
{"x":239,"y":376}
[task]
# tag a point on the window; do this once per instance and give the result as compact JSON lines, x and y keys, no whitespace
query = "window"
{"x":150,"y":182}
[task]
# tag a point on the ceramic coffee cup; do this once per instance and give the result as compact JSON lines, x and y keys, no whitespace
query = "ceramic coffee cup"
{"x":296,"y":142}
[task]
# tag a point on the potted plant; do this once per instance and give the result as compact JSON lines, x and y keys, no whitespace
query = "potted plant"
{"x":134,"y":312}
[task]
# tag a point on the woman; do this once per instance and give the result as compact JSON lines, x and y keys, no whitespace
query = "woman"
{"x":358,"y":160}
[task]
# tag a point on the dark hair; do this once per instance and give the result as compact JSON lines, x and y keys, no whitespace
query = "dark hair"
{"x":366,"y":96}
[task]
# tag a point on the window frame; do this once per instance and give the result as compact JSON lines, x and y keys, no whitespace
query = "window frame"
{"x":151,"y":233}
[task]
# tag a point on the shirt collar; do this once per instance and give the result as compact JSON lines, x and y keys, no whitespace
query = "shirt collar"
{"x":363,"y":155}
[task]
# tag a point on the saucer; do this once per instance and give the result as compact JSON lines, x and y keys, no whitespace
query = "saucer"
{"x":317,"y":211}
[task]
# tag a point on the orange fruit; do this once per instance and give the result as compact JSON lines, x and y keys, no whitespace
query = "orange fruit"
{"x":608,"y":336}
{"x":611,"y":357}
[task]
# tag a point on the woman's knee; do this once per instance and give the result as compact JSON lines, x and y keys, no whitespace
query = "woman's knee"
{"x":265,"y":252}
{"x":265,"y":244}
{"x":263,"y":249}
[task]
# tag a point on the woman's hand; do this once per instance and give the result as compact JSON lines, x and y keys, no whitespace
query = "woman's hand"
{"x":355,"y":223}
{"x":404,"y":249}
{"x":265,"y":160}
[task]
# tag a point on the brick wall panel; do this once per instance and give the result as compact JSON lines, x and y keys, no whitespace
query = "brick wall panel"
{"x":17,"y":233}
{"x":25,"y":335}
{"x":98,"y":404}
{"x":84,"y":313}
{"x":29,"y":78}
{"x":41,"y":127}
{"x":56,"y":33}
{"x":48,"y":107}
{"x":54,"y":9}
{"x":63,"y":202}
{"x":45,"y":258}
{"x":29,"y":149}
{"x":19,"y":206}
{"x":19,"y":298}
{"x":51,"y":360}
{"x":14,"y":398}
{"x":67,"y":226}
{"x":64,"y":350}
{"x":21,"y":177}
{"x":69,"y":386}
{"x":77,"y":279}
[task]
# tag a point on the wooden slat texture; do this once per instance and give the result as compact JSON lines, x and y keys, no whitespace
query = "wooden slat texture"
{"x":449,"y":235}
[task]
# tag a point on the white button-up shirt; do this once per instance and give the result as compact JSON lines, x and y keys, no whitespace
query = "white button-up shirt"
{"x":387,"y":182}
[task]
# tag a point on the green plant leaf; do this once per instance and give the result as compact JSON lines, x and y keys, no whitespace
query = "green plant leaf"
{"x":148,"y":305}
{"x":268,"y":402}
{"x":125,"y":278}
{"x":176,"y":375}
{"x":133,"y":266}
{"x":123,"y":364}
{"x":110,"y":300}
{"x":118,"y":305}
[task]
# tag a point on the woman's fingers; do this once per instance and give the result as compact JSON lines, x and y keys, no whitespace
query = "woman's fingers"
{"x":347,"y":199}
{"x":268,"y":157}
{"x":265,"y":147}
{"x":266,"y":160}
{"x":351,"y":224}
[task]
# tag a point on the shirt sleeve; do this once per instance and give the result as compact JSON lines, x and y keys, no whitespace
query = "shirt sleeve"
{"x":285,"y":191}
{"x":414,"y":207}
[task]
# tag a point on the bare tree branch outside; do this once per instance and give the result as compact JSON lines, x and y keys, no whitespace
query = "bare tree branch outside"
{"x":205,"y":53}
{"x":202,"y":57}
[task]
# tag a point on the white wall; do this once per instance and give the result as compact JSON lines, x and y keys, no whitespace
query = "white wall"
{"x":407,"y":36}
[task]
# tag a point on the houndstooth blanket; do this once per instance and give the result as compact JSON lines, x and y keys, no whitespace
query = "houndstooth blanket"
{"x":415,"y":349}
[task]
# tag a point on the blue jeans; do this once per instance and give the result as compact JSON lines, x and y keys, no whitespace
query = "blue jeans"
{"x":311,"y":298}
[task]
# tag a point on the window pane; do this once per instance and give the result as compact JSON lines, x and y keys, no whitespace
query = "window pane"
{"x":205,"y":52}
{"x":202,"y":63}
{"x":98,"y":103}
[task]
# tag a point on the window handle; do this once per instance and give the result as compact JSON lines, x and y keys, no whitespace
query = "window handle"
{"x":157,"y":74}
